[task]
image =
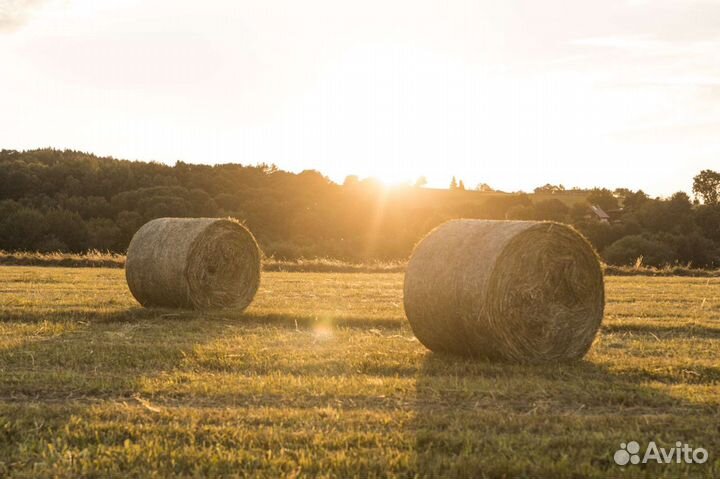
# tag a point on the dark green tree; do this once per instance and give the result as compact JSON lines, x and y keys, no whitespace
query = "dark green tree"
{"x":627,"y":251}
{"x":603,"y":198}
{"x":551,"y":210}
{"x":707,"y":185}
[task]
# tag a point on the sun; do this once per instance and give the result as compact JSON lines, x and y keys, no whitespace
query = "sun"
{"x":392,"y":177}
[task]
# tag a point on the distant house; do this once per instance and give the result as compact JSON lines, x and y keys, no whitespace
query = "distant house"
{"x":598,"y":214}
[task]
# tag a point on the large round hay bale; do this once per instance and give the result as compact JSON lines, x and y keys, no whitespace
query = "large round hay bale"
{"x":520,"y":291}
{"x":195,"y":263}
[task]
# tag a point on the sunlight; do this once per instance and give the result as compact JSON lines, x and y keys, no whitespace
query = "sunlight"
{"x":393,"y":178}
{"x":323,"y":329}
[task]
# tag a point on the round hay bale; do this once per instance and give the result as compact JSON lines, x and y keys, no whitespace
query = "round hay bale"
{"x":198,"y":263}
{"x":519,"y":291}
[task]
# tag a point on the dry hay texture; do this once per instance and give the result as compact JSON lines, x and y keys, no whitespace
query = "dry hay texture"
{"x":518,"y":291}
{"x":198,"y":263}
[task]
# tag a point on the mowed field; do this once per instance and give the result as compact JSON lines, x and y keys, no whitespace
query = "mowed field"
{"x":323,"y":377}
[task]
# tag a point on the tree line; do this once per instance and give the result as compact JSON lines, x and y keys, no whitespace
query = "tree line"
{"x":53,"y":200}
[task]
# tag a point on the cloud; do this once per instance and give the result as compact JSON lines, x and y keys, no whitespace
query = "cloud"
{"x":14,"y":13}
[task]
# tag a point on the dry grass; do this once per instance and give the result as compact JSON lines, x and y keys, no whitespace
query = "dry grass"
{"x":330,"y":265}
{"x":89,"y":259}
{"x":321,"y":376}
{"x":94,"y":258}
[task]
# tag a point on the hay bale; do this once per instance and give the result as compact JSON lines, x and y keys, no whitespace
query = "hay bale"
{"x":519,"y":291}
{"x":195,"y":263}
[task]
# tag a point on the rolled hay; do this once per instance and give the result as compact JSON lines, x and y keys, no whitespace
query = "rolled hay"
{"x":198,"y":263}
{"x":519,"y":291}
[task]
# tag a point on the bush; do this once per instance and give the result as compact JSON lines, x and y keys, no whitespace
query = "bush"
{"x":697,"y":251}
{"x":627,"y":250}
{"x":707,"y":218}
{"x":521,"y":212}
{"x":600,"y":234}
{"x":69,"y":228}
{"x":104,"y":234}
{"x":551,"y":210}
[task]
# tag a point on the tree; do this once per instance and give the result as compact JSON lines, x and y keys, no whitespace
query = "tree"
{"x":521,"y":212}
{"x":68,"y":227}
{"x":697,"y":251}
{"x":71,"y":201}
{"x":484,"y":187}
{"x":22,"y":229}
{"x":600,"y":235}
{"x":104,"y":234}
{"x":128,"y":222}
{"x":351,"y":180}
{"x":453,"y":184}
{"x":633,"y":200}
{"x":707,"y":218}
{"x":668,"y":216}
{"x":680,"y":203}
{"x":578,"y":212}
{"x":603,"y":198}
{"x":498,"y":207}
{"x":707,"y":185}
{"x":420,"y":182}
{"x":627,"y":250}
{"x":551,"y":210}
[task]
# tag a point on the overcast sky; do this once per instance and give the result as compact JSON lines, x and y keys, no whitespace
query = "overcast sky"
{"x":511,"y":93}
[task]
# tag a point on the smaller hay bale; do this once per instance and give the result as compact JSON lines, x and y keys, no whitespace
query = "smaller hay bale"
{"x":519,"y":291}
{"x":198,"y":263}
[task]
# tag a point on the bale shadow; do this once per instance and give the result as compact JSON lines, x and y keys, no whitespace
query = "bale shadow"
{"x":65,"y":379}
{"x":138,"y":313}
{"x":131,"y":314}
{"x":100,"y":352}
{"x":125,"y":345}
{"x":51,"y":384}
{"x":660,"y":330}
{"x":483,"y":419}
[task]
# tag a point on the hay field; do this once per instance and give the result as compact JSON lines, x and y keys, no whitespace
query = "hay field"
{"x":321,"y":376}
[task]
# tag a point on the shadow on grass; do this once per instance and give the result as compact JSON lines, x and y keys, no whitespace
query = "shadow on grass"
{"x":660,"y":331}
{"x":102,"y":354}
{"x":472,"y":418}
{"x":131,"y":314}
{"x":134,"y":314}
{"x":111,"y":356}
{"x":50,"y":384}
{"x":482,"y":419}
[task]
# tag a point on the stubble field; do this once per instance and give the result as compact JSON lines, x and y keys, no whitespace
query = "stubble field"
{"x":323,"y":377}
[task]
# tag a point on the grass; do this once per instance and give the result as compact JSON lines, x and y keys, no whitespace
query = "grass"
{"x":322,"y":377}
{"x":89,"y":259}
{"x":99,"y":259}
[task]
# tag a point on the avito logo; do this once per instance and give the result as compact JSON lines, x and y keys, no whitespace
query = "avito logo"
{"x":682,"y":453}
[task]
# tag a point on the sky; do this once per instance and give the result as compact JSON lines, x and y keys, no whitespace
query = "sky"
{"x":515,"y":94}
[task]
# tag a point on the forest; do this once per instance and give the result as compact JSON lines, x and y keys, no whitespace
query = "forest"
{"x":53,"y":200}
